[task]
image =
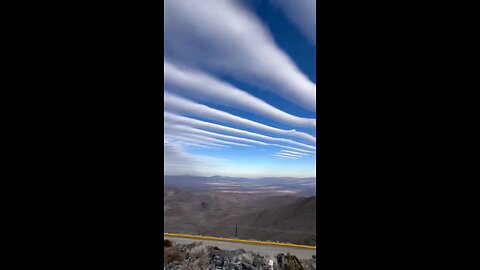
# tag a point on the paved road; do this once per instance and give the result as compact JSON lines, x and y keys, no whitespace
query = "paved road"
{"x":264,"y":250}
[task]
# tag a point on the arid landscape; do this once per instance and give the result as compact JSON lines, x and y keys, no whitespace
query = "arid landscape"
{"x":245,"y":208}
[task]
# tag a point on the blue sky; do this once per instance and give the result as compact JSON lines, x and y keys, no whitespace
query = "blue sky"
{"x":240,"y":88}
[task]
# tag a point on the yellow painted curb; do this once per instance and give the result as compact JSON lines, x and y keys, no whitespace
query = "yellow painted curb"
{"x":237,"y":240}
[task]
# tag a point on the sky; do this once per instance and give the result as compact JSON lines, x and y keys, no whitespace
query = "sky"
{"x":240,"y":88}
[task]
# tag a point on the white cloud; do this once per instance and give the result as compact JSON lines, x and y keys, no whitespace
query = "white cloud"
{"x":295,"y":149}
{"x":172,"y":127}
{"x":293,"y":153}
{"x":286,"y":157}
{"x":179,"y":133}
{"x":184,"y":128}
{"x":290,"y":155}
{"x":303,"y":13}
{"x":175,"y":138}
{"x":182,"y":105}
{"x":169,"y":117}
{"x":206,"y":87}
{"x":225,"y":37}
{"x":177,"y":161}
{"x":186,"y":144}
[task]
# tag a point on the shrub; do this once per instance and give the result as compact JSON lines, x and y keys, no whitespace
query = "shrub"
{"x":198,"y":251}
{"x":172,"y":254}
{"x":201,"y":262}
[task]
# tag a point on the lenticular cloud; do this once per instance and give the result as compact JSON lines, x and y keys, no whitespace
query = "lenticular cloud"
{"x":178,"y":104}
{"x":225,"y":37}
{"x":220,"y":61}
{"x":201,"y":85}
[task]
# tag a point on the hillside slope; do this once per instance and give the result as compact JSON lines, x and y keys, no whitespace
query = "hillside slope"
{"x":290,"y":223}
{"x":257,"y":216}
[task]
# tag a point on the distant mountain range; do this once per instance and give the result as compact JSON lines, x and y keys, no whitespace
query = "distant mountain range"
{"x":273,"y":186}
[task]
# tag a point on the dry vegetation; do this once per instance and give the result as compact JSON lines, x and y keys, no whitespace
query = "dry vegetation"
{"x":199,"y":257}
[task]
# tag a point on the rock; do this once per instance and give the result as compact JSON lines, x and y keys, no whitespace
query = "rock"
{"x":258,"y":260}
{"x":239,"y":252}
{"x":167,"y":243}
{"x":198,"y":257}
{"x":229,"y":265}
{"x":247,"y":258}
{"x":247,"y":266}
{"x":288,"y":262}
{"x":238,"y":266}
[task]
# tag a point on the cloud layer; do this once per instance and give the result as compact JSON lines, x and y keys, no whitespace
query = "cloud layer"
{"x":172,"y":118}
{"x":178,"y":104}
{"x":223,"y":36}
{"x":220,"y":61}
{"x":176,"y":129}
{"x":206,"y":87}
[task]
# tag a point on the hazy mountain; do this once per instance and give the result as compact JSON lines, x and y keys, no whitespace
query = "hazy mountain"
{"x":231,"y":185}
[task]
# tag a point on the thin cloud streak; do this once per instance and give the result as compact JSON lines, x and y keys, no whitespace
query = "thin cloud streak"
{"x":176,"y":103}
{"x":290,"y":155}
{"x":281,"y":156}
{"x":296,"y":149}
{"x":192,"y":141}
{"x":212,"y":134}
{"x":183,"y":128}
{"x":189,"y":144}
{"x":293,"y":152}
{"x":217,"y":140}
{"x":198,"y":123}
{"x":179,"y":133}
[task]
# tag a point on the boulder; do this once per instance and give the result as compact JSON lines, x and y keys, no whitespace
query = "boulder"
{"x":288,"y":262}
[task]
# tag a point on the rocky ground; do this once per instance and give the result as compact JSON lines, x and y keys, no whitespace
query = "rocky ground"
{"x":198,"y":257}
